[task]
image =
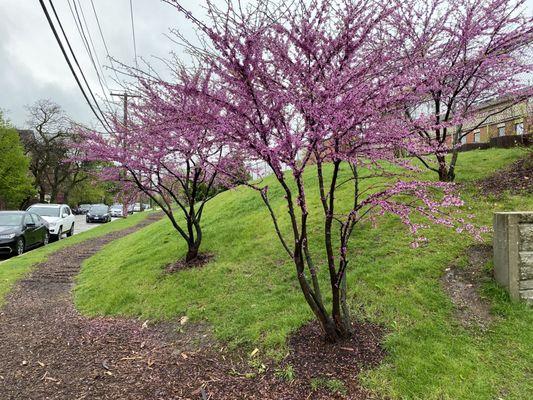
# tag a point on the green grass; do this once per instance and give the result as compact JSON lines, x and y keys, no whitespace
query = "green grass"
{"x":15,"y":268}
{"x":332,"y":385}
{"x":250,"y":296}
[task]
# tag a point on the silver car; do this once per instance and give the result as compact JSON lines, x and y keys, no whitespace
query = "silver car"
{"x":116,"y":210}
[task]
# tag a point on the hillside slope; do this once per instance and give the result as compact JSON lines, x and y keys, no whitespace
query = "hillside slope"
{"x":249,"y":295}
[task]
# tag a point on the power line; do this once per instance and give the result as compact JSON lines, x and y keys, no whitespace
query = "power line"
{"x":92,"y":44}
{"x":77,"y":63}
{"x":133,"y":32}
{"x":77,"y":22}
{"x":103,"y":39}
{"x":88,"y":43}
{"x":50,"y":22}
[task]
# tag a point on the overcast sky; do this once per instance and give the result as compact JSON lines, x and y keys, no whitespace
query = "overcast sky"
{"x":32,"y":66}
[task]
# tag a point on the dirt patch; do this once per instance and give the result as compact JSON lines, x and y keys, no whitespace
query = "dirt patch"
{"x":50,"y":351}
{"x":330,"y":370}
{"x":516,"y":179}
{"x":313,"y":368}
{"x":198,"y":262}
{"x":463,"y":284}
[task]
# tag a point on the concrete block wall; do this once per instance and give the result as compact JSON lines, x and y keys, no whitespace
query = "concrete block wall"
{"x":513,"y":253}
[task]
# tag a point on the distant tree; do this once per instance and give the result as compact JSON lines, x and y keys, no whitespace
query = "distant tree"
{"x":15,"y":180}
{"x":91,"y":191}
{"x":50,"y":145}
{"x":462,"y":53}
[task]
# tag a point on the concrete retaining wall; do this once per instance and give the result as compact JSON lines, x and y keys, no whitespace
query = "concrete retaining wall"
{"x":513,"y":253}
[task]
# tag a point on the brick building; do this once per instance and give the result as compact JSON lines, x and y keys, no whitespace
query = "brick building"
{"x":500,"y":117}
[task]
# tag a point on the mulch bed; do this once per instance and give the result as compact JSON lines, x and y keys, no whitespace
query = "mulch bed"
{"x":198,"y":262}
{"x":310,"y":358}
{"x":463,"y":286}
{"x":516,"y":179}
{"x":49,"y":351}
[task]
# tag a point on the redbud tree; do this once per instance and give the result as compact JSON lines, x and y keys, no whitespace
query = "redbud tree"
{"x":464,"y":53}
{"x":315,"y":87}
{"x":168,"y":151}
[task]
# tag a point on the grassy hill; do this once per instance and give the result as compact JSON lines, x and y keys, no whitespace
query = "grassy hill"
{"x":249,"y":294}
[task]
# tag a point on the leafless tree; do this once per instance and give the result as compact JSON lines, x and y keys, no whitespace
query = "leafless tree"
{"x":49,"y":145}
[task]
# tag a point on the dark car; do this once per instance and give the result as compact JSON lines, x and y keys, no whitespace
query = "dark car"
{"x":21,"y":231}
{"x":82,"y":209}
{"x":98,"y":213}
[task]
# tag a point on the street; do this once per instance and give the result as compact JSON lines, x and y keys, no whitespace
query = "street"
{"x":81,"y":226}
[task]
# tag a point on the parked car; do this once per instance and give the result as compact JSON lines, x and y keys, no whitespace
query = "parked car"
{"x":81,"y":209}
{"x":21,"y":231}
{"x":59,"y":217}
{"x":98,"y":213}
{"x":116,"y":210}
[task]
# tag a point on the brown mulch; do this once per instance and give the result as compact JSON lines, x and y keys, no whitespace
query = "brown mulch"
{"x":463,"y":286}
{"x":516,"y":179}
{"x":49,"y":351}
{"x":314,"y":358}
{"x":201,"y":260}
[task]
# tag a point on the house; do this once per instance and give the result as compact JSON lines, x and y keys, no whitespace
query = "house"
{"x":497,"y":118}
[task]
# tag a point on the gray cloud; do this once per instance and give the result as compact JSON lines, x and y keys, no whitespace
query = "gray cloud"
{"x":31,"y":63}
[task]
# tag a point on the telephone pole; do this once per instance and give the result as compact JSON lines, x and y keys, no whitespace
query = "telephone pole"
{"x":125,"y":97}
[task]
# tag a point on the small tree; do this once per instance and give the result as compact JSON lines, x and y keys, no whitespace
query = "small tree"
{"x":463,"y":53}
{"x":168,"y":151}
{"x":305,"y":85}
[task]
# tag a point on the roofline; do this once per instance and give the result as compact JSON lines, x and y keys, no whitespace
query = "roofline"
{"x":517,"y":97}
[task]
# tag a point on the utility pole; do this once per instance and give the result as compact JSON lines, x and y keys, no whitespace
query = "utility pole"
{"x":125,"y":97}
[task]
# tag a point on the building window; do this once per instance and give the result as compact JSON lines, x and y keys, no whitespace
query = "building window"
{"x":477,"y":136}
{"x":501,"y":131}
{"x":463,"y":139}
{"x":519,"y":128}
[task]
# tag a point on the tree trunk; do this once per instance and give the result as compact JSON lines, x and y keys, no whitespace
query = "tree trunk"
{"x":336,"y":328}
{"x":53,"y":196}
{"x":446,"y":172}
{"x":342,"y":325}
{"x":453,"y":162}
{"x":333,"y":327}
{"x":192,"y":252}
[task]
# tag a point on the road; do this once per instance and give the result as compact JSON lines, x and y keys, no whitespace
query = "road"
{"x":81,"y":226}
